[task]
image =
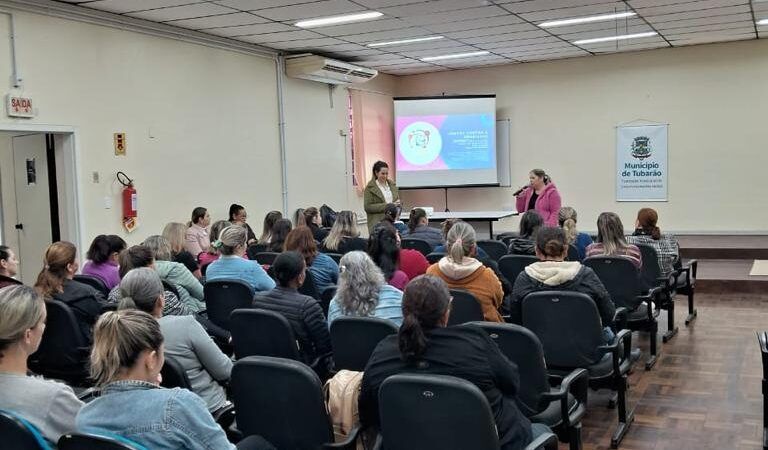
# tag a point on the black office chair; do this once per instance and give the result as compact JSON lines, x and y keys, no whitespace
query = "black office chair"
{"x":464,"y":308}
{"x":416,"y":244}
{"x":434,"y":258}
{"x":259,"y":332}
{"x":286,"y":406}
{"x":686,"y":284}
{"x":651,"y":276}
{"x":622,"y":281}
{"x":335,"y":256}
{"x":495,"y":249}
{"x":78,"y":441}
{"x":354,"y":338}
{"x":174,"y":375}
{"x":18,"y":434}
{"x":224,"y":296}
{"x":762,"y":339}
{"x":439,"y":412}
{"x":94,"y":282}
{"x":309,"y":287}
{"x":507,"y":236}
{"x":511,"y":265}
{"x":325,"y":298}
{"x":265,"y":258}
{"x":63,"y":352}
{"x":255,"y":249}
{"x":573,"y":253}
{"x":561,"y":407}
{"x":571,"y":334}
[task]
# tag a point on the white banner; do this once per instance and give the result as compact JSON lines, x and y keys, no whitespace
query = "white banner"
{"x":641,"y":163}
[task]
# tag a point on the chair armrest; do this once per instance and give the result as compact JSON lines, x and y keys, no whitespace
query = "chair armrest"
{"x":349,"y":443}
{"x":548,"y":441}
{"x":576,"y":383}
{"x":89,"y":394}
{"x":650,"y":298}
{"x":624,"y":337}
{"x":620,"y":319}
{"x":690,"y":268}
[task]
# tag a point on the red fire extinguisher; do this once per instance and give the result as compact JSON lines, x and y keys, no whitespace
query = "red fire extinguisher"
{"x":129,"y":195}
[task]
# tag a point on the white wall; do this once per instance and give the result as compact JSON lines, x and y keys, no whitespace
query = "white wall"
{"x":563,"y":115}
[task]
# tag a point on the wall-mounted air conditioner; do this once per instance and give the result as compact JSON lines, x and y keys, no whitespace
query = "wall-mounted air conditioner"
{"x":326,"y":70}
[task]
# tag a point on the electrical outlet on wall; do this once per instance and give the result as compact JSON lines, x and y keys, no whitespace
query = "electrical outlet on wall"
{"x":95,"y":177}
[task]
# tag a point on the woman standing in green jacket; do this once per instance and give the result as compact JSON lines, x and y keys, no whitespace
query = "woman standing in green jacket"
{"x":379,"y":191}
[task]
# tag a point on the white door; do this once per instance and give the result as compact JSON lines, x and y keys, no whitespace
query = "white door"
{"x":33,"y":207}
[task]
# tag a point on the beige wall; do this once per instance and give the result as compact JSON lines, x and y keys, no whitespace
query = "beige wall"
{"x":563,"y":115}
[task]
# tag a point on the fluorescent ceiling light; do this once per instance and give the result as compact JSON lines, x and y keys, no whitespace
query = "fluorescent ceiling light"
{"x":762,"y":22}
{"x":600,"y":18}
{"x":615,"y":38}
{"x":406,"y":41}
{"x":336,"y":20}
{"x":454,"y":56}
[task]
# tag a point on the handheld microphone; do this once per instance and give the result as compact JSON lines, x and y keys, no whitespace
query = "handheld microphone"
{"x":517,"y":192}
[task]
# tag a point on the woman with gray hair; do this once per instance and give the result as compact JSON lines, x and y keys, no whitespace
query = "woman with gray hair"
{"x":186,"y":340}
{"x":363,"y":291}
{"x":232,"y":265}
{"x":190,"y":289}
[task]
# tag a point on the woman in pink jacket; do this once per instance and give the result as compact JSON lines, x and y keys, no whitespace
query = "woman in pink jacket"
{"x":542,"y":196}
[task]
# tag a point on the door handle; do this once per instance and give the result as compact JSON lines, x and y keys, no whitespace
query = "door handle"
{"x":19,"y":226}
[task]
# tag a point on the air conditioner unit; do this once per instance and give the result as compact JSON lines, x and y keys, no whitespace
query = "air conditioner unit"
{"x":326,"y":70}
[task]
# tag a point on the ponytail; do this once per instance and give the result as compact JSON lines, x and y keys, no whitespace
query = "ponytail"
{"x":413,"y":219}
{"x":425,"y":302}
{"x":656,"y":233}
{"x":59,"y":255}
{"x":411,"y":339}
{"x":566,"y":217}
{"x":460,"y":240}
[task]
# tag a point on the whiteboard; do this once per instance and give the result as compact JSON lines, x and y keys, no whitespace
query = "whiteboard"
{"x":502,"y":152}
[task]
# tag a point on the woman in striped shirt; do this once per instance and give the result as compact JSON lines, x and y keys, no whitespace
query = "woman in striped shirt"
{"x":611,"y":240}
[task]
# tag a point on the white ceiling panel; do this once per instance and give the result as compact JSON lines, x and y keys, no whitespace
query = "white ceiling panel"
{"x":304,"y":44}
{"x":521,"y":7}
{"x":504,"y":29}
{"x":125,"y":6}
{"x":224,"y":20}
{"x":475,"y":24}
{"x":748,"y":24}
{"x":415,"y":9}
{"x":283,"y":37}
{"x":507,"y":37}
{"x":378,"y":4}
{"x":182,"y":12}
{"x":700,"y":13}
{"x":445,"y":43}
{"x":365,"y":27}
{"x":580,"y":11}
{"x":455,"y":16}
{"x":250,"y":5}
{"x":712,"y":38}
{"x":341,"y":46}
{"x":726,"y":32}
{"x":638,"y":28}
{"x":689,"y":6}
{"x":439,"y":52}
{"x":552,"y":56}
{"x":247,"y":30}
{"x":702,"y":21}
{"x":391,"y":35}
{"x":310,"y":10}
{"x":596,"y":26}
{"x":509,"y":47}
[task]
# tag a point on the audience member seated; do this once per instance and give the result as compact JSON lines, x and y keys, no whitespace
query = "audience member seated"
{"x":232,"y":266}
{"x":189,"y":287}
{"x":324,"y":270}
{"x":425,"y":345}
{"x":567,"y":220}
{"x":445,"y":227}
{"x":412,"y":262}
{"x":185,"y":339}
{"x":311,"y":218}
{"x":9,"y":267}
{"x":175,"y":232}
{"x":363,"y":292}
{"x":646,"y":232}
{"x":461,"y":270}
{"x":611,"y":240}
{"x":238,"y":216}
{"x":212,"y":254}
{"x":279,"y":232}
{"x":48,"y":405}
{"x":56,"y":281}
{"x":553,"y":273}
{"x":269,"y":222}
{"x":344,"y":236}
{"x":196,"y":238}
{"x":392,"y":216}
{"x":303,"y":312}
{"x":102,"y":259}
{"x":418,"y":228}
{"x":126,"y":360}
{"x":384,"y":249}
{"x":141,"y":256}
{"x":525,"y":243}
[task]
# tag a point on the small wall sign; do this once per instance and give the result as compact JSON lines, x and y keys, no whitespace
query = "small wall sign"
{"x":18,"y":106}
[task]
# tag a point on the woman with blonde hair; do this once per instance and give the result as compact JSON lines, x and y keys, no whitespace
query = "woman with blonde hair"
{"x":232,"y":265}
{"x":460,"y":269}
{"x":611,"y":240}
{"x":269,"y":222}
{"x":176,"y":232}
{"x":566,"y":218}
{"x":48,"y":405}
{"x":344,"y":235}
{"x":363,"y":292}
{"x":189,"y":287}
{"x":126,"y":359}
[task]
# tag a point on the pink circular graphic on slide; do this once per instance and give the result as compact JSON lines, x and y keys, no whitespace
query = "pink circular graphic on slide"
{"x":420,"y":143}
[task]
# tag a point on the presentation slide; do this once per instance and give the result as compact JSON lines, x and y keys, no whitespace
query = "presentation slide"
{"x":445,"y":141}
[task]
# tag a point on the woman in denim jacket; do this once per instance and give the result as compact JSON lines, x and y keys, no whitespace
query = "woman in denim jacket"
{"x":126,"y":359}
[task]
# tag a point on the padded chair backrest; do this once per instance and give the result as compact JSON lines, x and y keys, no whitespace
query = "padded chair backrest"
{"x":567,"y":325}
{"x":258,"y":332}
{"x":762,"y":338}
{"x":495,"y":249}
{"x":254,"y":250}
{"x":18,"y":434}
{"x":174,"y":375}
{"x":309,"y":287}
{"x":416,"y":244}
{"x":335,"y":256}
{"x":435,"y":412}
{"x":224,"y":296}
{"x":170,"y":287}
{"x":94,"y":282}
{"x":77,"y":441}
{"x":620,"y":278}
{"x":325,"y":298}
{"x":523,"y":348}
{"x":573,"y":253}
{"x":354,"y":338}
{"x":61,"y":340}
{"x":282,"y":401}
{"x":507,"y":236}
{"x":266,"y":258}
{"x":433,"y":257}
{"x":464,"y":308}
{"x":511,"y":265}
{"x":651,"y":270}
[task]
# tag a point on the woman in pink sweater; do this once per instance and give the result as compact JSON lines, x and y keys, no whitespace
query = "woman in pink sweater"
{"x":541,"y":196}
